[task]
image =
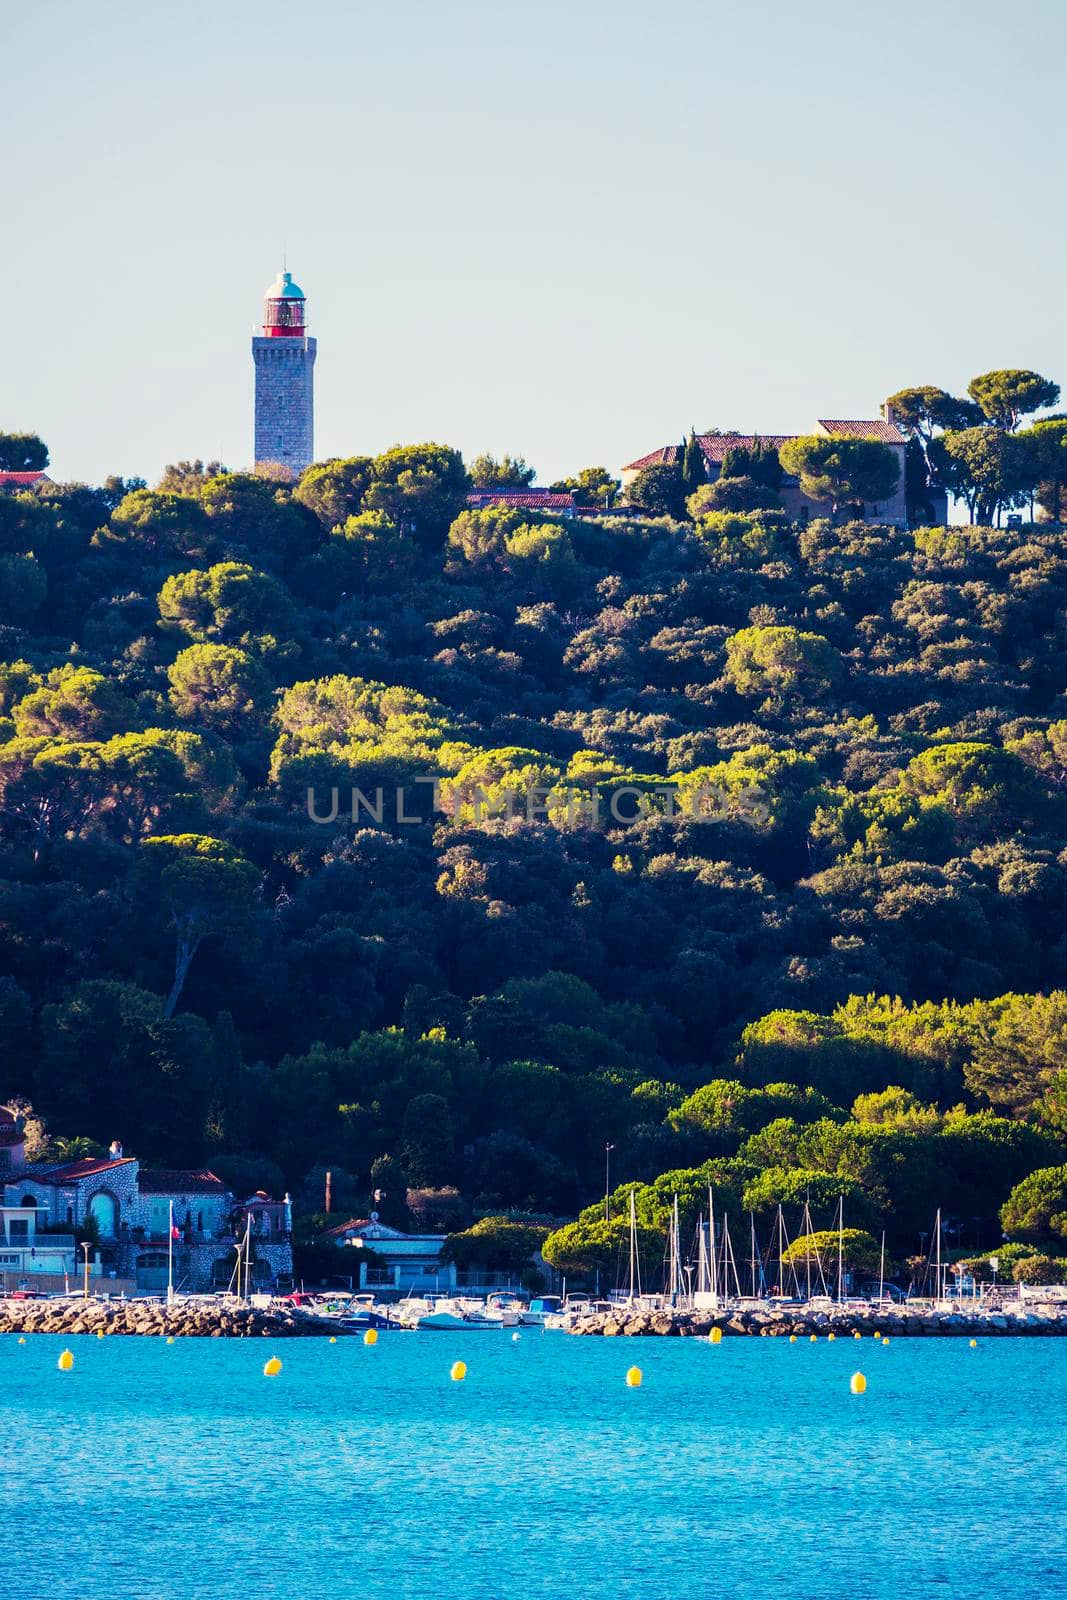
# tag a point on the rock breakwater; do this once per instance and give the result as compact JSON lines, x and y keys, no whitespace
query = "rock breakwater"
{"x":185,"y":1319}
{"x":1033,"y":1320}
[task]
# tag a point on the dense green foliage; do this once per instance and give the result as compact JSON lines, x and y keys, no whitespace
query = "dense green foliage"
{"x":818,"y":951}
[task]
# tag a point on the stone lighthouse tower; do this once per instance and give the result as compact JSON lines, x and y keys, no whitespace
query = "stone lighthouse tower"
{"x":284,"y":358}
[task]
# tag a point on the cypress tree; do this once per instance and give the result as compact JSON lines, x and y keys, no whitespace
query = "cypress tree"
{"x":693,"y":469}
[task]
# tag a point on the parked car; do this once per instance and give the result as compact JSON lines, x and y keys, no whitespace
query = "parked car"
{"x":889,"y":1291}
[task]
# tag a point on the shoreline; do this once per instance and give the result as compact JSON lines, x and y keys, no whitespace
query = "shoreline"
{"x":185,"y":1319}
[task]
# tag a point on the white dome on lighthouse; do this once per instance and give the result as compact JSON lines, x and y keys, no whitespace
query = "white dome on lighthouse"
{"x":283,"y":288}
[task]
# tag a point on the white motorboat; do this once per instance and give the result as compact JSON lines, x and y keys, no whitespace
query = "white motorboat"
{"x":537,"y":1313}
{"x":505,"y":1308}
{"x":459,"y":1320}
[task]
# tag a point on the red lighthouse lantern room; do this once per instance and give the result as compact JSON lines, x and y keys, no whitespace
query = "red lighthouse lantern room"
{"x":283,"y":309}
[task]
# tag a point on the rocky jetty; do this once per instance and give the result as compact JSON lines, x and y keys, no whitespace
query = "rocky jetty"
{"x":185,"y":1319}
{"x":1035,"y":1320}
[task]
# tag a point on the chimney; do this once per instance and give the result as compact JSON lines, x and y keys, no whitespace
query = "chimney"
{"x":115,"y":1152}
{"x":888,"y":414}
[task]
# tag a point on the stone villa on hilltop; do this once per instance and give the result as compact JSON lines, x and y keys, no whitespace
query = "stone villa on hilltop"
{"x":130,"y":1208}
{"x":799,"y":507}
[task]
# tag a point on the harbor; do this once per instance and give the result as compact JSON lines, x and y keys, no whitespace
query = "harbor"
{"x":1032,"y":1314}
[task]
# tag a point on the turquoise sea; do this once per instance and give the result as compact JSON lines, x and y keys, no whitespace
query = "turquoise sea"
{"x":175,"y":1472}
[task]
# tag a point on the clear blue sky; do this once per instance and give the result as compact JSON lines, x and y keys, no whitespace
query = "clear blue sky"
{"x":565,"y":229}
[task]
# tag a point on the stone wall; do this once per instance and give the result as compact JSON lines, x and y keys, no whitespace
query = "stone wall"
{"x":284,"y":404}
{"x":120,"y":1182}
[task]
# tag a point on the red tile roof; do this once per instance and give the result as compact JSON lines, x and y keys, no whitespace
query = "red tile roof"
{"x":359,"y":1224}
{"x":20,"y":480}
{"x":522,"y":499}
{"x":67,"y":1171}
{"x":715,"y":445}
{"x":666,"y":456}
{"x":876,"y":428}
{"x":175,"y":1180}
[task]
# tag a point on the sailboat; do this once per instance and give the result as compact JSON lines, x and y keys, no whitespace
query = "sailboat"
{"x":707,"y":1297}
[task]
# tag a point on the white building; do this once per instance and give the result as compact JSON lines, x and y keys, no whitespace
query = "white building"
{"x":28,"y":1253}
{"x":411,"y":1262}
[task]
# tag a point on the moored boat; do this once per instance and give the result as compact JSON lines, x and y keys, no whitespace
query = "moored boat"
{"x":455,"y":1317}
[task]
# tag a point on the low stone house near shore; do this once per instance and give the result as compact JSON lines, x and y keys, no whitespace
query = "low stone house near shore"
{"x":130,"y":1210}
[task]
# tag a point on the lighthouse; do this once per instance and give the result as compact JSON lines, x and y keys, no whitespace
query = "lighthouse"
{"x":284,"y":358}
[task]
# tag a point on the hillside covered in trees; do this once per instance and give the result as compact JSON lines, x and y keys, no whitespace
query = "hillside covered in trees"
{"x":804,"y":935}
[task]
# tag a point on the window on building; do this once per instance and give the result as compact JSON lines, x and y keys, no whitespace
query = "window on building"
{"x":19,"y":1228}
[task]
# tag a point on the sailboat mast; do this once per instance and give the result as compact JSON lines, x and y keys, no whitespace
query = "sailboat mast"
{"x":840,"y":1245}
{"x":676,"y":1254}
{"x":713,"y":1249}
{"x":635,"y":1263}
{"x":752,"y":1231}
{"x":729,"y":1260}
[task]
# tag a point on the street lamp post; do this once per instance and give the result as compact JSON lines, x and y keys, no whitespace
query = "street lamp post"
{"x":608,"y":1148}
{"x":85,"y":1253}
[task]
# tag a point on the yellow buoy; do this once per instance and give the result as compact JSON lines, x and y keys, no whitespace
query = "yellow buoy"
{"x":633,"y":1378}
{"x":858,"y":1383}
{"x":458,"y":1371}
{"x":814,"y":1337}
{"x":333,"y":1338}
{"x":99,"y":1333}
{"x":715,"y":1336}
{"x":792,"y":1338}
{"x":272,"y":1367}
{"x":170,"y":1338}
{"x":856,"y":1333}
{"x":830,"y":1337}
{"x":974,"y":1344}
{"x":877,"y":1333}
{"x":66,"y":1361}
{"x":371,"y":1336}
{"x":22,"y":1341}
{"x":885,"y":1340}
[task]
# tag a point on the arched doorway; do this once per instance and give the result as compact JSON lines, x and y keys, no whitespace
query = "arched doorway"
{"x":104,"y":1208}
